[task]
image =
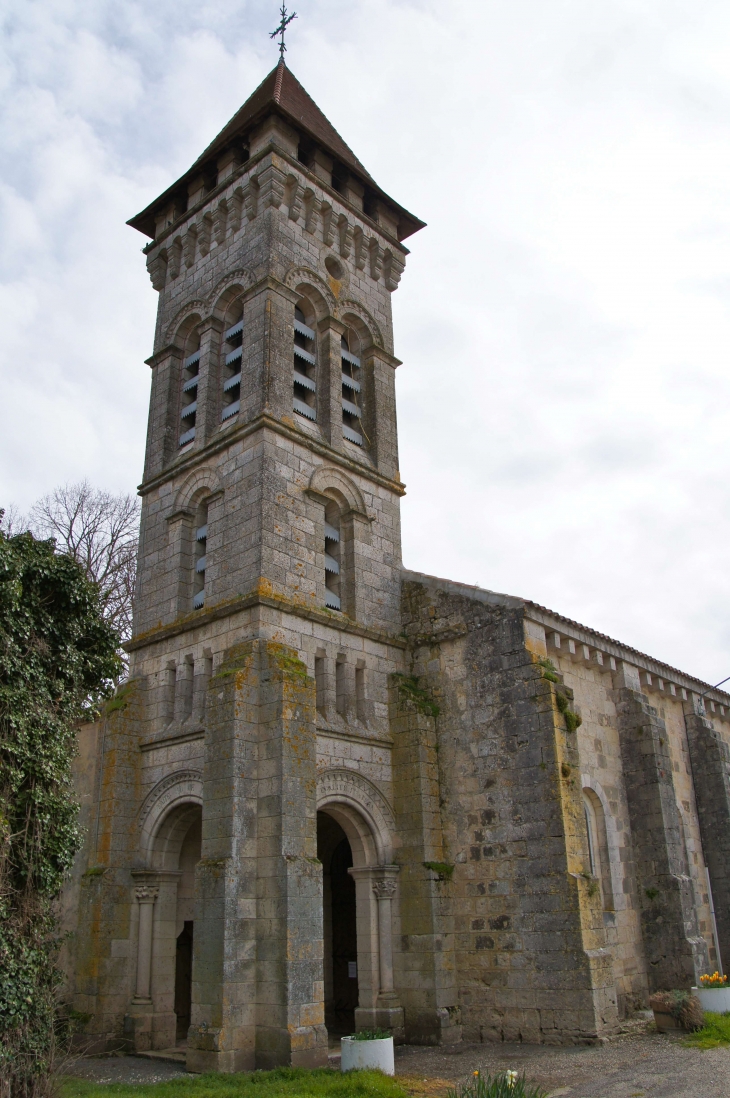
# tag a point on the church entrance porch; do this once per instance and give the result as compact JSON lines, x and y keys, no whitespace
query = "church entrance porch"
{"x":165,"y":895}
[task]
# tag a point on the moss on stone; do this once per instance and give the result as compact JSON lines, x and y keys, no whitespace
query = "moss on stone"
{"x":409,"y":690}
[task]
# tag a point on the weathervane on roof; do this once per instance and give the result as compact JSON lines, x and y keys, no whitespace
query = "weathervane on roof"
{"x":285,"y":21}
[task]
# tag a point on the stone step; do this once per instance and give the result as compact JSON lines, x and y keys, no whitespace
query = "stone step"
{"x":170,"y":1055}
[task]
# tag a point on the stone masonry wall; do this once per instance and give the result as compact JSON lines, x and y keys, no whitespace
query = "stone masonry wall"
{"x":531,"y":957}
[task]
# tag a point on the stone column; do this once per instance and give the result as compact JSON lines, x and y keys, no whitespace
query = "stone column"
{"x":676,"y":953}
{"x":379,"y":1004}
{"x":145,"y":895}
{"x":209,"y":381}
{"x":710,"y":759}
{"x":384,"y":890}
{"x":329,"y":385}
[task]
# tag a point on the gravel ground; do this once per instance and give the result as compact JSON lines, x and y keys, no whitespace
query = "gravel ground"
{"x":125,"y":1069}
{"x":638,"y":1065}
{"x":655,"y":1066}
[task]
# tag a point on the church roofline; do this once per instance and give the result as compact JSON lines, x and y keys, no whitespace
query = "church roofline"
{"x":281,"y":93}
{"x":577,"y":632}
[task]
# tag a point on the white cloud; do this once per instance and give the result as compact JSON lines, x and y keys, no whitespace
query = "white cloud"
{"x":563,"y":320}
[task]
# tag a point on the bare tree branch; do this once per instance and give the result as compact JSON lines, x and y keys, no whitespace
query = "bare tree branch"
{"x":100,"y":530}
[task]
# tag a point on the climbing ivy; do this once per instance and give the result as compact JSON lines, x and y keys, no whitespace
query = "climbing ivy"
{"x":57,"y":660}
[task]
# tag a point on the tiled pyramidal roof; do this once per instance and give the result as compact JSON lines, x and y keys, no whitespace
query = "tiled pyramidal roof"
{"x":281,"y":92}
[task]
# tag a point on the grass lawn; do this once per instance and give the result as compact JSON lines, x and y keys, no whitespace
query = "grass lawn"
{"x":281,"y":1083}
{"x":714,"y":1033}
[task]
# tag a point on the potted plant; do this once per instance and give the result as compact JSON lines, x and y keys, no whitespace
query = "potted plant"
{"x":370,"y":1048}
{"x":714,"y":993}
{"x":676,"y":1010}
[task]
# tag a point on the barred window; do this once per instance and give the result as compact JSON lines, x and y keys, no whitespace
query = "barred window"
{"x":332,"y":556}
{"x":305,"y":367}
{"x":232,"y":359}
{"x":199,"y":555}
{"x":189,"y":395}
{"x":351,"y":389}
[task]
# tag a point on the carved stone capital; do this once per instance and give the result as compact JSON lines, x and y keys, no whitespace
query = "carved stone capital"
{"x":146,"y":893}
{"x":384,"y":889}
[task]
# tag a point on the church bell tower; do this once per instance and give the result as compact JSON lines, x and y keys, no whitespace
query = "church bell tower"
{"x":267,"y":615}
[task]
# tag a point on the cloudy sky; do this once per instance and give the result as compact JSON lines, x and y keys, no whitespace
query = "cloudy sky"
{"x":563,"y":320}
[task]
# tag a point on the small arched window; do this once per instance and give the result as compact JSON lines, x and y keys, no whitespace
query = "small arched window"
{"x":591,"y":829}
{"x":332,"y":557}
{"x":305,"y":366}
{"x":189,"y":395}
{"x":598,"y":852}
{"x":232,"y":359}
{"x":200,"y":536}
{"x":351,"y":388}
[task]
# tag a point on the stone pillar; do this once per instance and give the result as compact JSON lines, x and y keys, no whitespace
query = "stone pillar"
{"x":142,"y":1009}
{"x":427,"y":969}
{"x":258,"y":991}
{"x":710,"y":760}
{"x":180,"y":540}
{"x":379,"y":1004}
{"x":379,"y":408}
{"x":329,"y":384}
{"x":208,"y":415}
{"x":145,"y":896}
{"x":676,"y":953}
{"x":384,"y":892}
{"x":163,"y":431}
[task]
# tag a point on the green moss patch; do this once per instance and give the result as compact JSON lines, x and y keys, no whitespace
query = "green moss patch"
{"x":409,"y":690}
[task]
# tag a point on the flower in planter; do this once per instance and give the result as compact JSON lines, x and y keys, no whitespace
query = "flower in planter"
{"x":715,"y":980}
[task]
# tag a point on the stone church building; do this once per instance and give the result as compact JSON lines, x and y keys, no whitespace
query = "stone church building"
{"x":336,"y":794}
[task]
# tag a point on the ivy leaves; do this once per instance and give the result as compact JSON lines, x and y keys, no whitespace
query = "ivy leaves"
{"x":58,"y":658}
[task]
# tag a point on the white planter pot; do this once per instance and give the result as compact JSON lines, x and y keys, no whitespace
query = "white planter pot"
{"x":716,"y":999}
{"x":367,"y":1054}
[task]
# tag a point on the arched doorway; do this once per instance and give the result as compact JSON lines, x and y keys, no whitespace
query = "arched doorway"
{"x":166,"y":921}
{"x":354,"y":830}
{"x":339,"y":925}
{"x":185,"y":927}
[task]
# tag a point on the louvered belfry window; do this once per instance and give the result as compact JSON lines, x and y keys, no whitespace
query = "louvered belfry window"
{"x":332,"y":556}
{"x":232,"y":358}
{"x":189,"y":401}
{"x":305,"y":367}
{"x":351,"y":390}
{"x":199,"y":555}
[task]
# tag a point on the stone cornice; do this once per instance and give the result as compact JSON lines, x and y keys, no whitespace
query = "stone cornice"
{"x":263,"y":422}
{"x":198,"y":618}
{"x":274,"y":151}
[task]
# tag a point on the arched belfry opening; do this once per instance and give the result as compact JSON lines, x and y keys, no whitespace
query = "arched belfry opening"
{"x":340,"y":926}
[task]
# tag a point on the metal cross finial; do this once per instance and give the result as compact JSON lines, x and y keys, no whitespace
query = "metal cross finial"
{"x":285,"y":21}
